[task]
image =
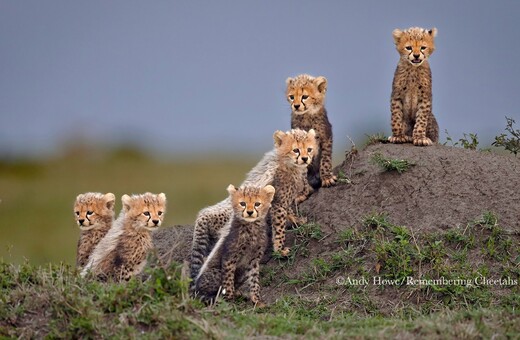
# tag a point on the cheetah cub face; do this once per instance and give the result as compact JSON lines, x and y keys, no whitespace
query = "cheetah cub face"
{"x":92,"y":209}
{"x":145,"y":211}
{"x":415,"y":44}
{"x":251,"y":203}
{"x":296,"y":147}
{"x":306,"y":94}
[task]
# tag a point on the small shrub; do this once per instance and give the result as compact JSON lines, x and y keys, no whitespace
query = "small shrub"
{"x":510,"y":143}
{"x":469,"y":141}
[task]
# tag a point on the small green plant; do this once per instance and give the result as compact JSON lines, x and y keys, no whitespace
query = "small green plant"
{"x":399,"y":165}
{"x":342,"y":178}
{"x":376,"y":139}
{"x":309,"y":230}
{"x":510,"y":143}
{"x":304,"y":233}
{"x":377,"y":220}
{"x":396,"y":256}
{"x":469,"y":141}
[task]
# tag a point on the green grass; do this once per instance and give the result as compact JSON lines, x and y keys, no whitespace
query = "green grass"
{"x":449,"y":263}
{"x":54,"y":302}
{"x":388,"y":164}
{"x":36,"y":220}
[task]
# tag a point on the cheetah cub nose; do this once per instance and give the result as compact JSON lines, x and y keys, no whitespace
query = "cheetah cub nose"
{"x":155,"y":222}
{"x":304,"y":159}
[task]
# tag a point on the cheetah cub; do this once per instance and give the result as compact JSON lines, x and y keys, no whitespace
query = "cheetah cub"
{"x":296,"y":150}
{"x":122,"y":253}
{"x":411,"y":102}
{"x":211,"y":220}
{"x":235,"y":260}
{"x":306,"y":94}
{"x":94,"y":213}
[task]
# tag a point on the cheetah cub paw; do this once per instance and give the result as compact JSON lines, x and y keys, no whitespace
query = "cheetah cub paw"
{"x":400,"y":139}
{"x":329,"y":181}
{"x":424,"y":141}
{"x":284,"y":252}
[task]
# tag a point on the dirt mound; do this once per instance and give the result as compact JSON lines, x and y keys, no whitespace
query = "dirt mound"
{"x":173,"y":243}
{"x":447,"y":187}
{"x":452,"y":217}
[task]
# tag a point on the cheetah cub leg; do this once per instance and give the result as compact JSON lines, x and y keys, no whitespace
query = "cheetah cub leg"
{"x":295,"y":219}
{"x":419,"y":131}
{"x":305,"y":193}
{"x":279,"y":219}
{"x":327,"y":177}
{"x":229,"y":267}
{"x":398,"y":127}
{"x":254,"y":282}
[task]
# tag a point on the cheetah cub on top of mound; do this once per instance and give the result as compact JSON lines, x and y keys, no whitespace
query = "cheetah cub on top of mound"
{"x":306,"y":94}
{"x":94,"y":214}
{"x":122,"y":253}
{"x":411,"y":102}
{"x":235,"y":260}
{"x":295,"y":149}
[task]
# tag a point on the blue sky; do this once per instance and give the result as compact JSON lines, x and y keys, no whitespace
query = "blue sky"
{"x":203,"y":76}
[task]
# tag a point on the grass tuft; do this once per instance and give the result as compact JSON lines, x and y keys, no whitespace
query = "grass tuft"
{"x":387,"y":164}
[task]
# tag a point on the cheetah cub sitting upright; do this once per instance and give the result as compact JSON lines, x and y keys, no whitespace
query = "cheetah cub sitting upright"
{"x":122,"y":253}
{"x":411,"y":102}
{"x":210,"y":222}
{"x":306,"y":94}
{"x":235,"y":259}
{"x":94,"y":213}
{"x":295,"y":149}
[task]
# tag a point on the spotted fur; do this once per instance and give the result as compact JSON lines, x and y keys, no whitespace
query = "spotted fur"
{"x":234,"y":262}
{"x":94,"y":214}
{"x":411,"y":100}
{"x":295,"y":149}
{"x":122,"y":253}
{"x":211,"y":220}
{"x":306,"y":94}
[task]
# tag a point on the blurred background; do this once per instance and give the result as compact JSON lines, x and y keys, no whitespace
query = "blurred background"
{"x":183,"y":97}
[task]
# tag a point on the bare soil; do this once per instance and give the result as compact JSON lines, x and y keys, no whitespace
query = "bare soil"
{"x":448,"y":186}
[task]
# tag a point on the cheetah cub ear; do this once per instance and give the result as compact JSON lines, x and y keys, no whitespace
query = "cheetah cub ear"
{"x":397,"y":33}
{"x":289,"y":81}
{"x":278,"y":138}
{"x":110,"y":200}
{"x":269,"y":190}
{"x":126,"y":200}
{"x":231,"y":189}
{"x":433,"y":32}
{"x":162,"y":198}
{"x":321,"y":84}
